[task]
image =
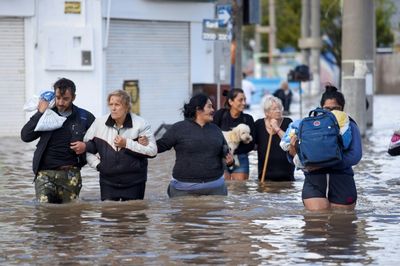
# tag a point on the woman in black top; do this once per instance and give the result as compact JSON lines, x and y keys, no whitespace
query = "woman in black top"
{"x":200,"y":149}
{"x":278,"y":166}
{"x":228,"y":118}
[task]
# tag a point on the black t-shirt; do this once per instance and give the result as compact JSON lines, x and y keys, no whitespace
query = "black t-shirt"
{"x":278,"y":167}
{"x":224,"y":120}
{"x":58,"y":152}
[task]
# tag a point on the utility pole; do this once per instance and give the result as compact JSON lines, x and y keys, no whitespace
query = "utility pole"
{"x":357,"y":57}
{"x":310,"y":42}
{"x":236,"y":44}
{"x":305,"y":51}
{"x":305,"y":30}
{"x":272,"y":32}
{"x":316,"y":50}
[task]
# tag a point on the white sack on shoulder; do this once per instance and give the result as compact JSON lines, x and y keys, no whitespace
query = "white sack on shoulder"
{"x":31,"y":104}
{"x":50,"y":120}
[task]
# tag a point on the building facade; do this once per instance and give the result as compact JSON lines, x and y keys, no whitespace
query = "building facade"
{"x":153,"y":49}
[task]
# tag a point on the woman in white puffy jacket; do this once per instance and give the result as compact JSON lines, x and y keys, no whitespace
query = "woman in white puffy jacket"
{"x":114,"y":147}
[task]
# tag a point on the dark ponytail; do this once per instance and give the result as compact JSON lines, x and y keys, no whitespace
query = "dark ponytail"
{"x":197,"y":102}
{"x":331,"y":92}
{"x":231,"y":95}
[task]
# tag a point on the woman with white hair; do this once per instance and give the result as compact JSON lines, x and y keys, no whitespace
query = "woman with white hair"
{"x":269,"y":131}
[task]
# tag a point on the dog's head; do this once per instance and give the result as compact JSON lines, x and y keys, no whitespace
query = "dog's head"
{"x":243,"y":131}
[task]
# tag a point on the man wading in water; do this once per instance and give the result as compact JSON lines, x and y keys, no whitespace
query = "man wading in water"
{"x":55,"y":162}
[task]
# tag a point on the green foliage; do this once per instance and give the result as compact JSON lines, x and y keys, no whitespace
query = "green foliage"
{"x":288,"y":24}
{"x":288,"y":17}
{"x":384,"y":11}
{"x":331,"y":27}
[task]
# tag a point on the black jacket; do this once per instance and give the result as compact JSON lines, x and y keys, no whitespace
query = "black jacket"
{"x":199,"y":151}
{"x":79,"y":116}
{"x":285,"y":98}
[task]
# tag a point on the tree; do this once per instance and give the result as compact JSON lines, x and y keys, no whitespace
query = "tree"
{"x":288,"y":18}
{"x":384,"y":11}
{"x":331,"y":25}
{"x":331,"y":28}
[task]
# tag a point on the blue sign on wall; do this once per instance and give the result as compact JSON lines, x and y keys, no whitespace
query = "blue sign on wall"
{"x":224,"y":14}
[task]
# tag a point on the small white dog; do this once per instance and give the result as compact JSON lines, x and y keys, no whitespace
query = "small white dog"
{"x":240,"y":133}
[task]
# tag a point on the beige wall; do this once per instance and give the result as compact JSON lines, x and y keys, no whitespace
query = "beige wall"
{"x":388,"y":73}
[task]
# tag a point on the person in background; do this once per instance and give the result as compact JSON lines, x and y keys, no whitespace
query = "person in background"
{"x":332,"y":187}
{"x":249,"y":89}
{"x":57,"y":160}
{"x":200,"y":149}
{"x":285,"y":94}
{"x":229,"y":117}
{"x":115,"y":147}
{"x":394,"y":147}
{"x":274,"y":125}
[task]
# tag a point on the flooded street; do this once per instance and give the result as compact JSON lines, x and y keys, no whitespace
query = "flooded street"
{"x":253,"y":225}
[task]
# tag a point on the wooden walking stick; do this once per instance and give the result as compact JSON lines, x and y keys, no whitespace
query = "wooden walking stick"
{"x":266,"y":158}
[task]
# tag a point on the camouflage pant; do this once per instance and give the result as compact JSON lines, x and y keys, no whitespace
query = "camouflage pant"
{"x":54,"y":186}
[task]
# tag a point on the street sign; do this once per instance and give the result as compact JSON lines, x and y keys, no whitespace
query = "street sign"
{"x":219,"y":29}
{"x":212,"y":30}
{"x":224,"y":14}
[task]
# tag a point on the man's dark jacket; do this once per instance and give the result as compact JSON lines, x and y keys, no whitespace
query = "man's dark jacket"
{"x":78,"y":116}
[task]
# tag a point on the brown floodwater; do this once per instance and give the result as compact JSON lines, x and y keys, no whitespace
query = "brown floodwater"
{"x":253,"y":225}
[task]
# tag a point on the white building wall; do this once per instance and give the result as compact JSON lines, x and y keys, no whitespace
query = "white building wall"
{"x":58,"y":41}
{"x":90,"y":82}
{"x":202,"y":56}
{"x":12,"y":78}
{"x":201,"y":52}
{"x":17,"y":8}
{"x":52,"y":52}
{"x":188,"y":11}
{"x":144,"y":51}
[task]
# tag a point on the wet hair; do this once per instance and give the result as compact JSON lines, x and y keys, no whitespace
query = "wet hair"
{"x":63,"y":85}
{"x":331,"y":92}
{"x":125,"y":98}
{"x":197,"y":102}
{"x":271,"y":100}
{"x":231,"y":95}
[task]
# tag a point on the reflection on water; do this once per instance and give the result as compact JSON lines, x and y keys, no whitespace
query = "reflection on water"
{"x":255,"y":224}
{"x":333,"y":237}
{"x":275,"y":187}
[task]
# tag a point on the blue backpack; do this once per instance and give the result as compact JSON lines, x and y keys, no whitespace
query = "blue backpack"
{"x":319,"y":141}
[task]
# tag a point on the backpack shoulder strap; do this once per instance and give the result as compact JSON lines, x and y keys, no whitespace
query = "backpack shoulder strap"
{"x":351,"y":119}
{"x":83,"y":116}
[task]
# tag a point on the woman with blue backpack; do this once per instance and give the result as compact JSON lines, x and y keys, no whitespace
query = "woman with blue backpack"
{"x":331,"y":186}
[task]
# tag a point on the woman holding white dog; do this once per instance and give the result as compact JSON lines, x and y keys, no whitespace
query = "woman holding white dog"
{"x":229,"y":117}
{"x":200,"y":149}
{"x":269,"y":131}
